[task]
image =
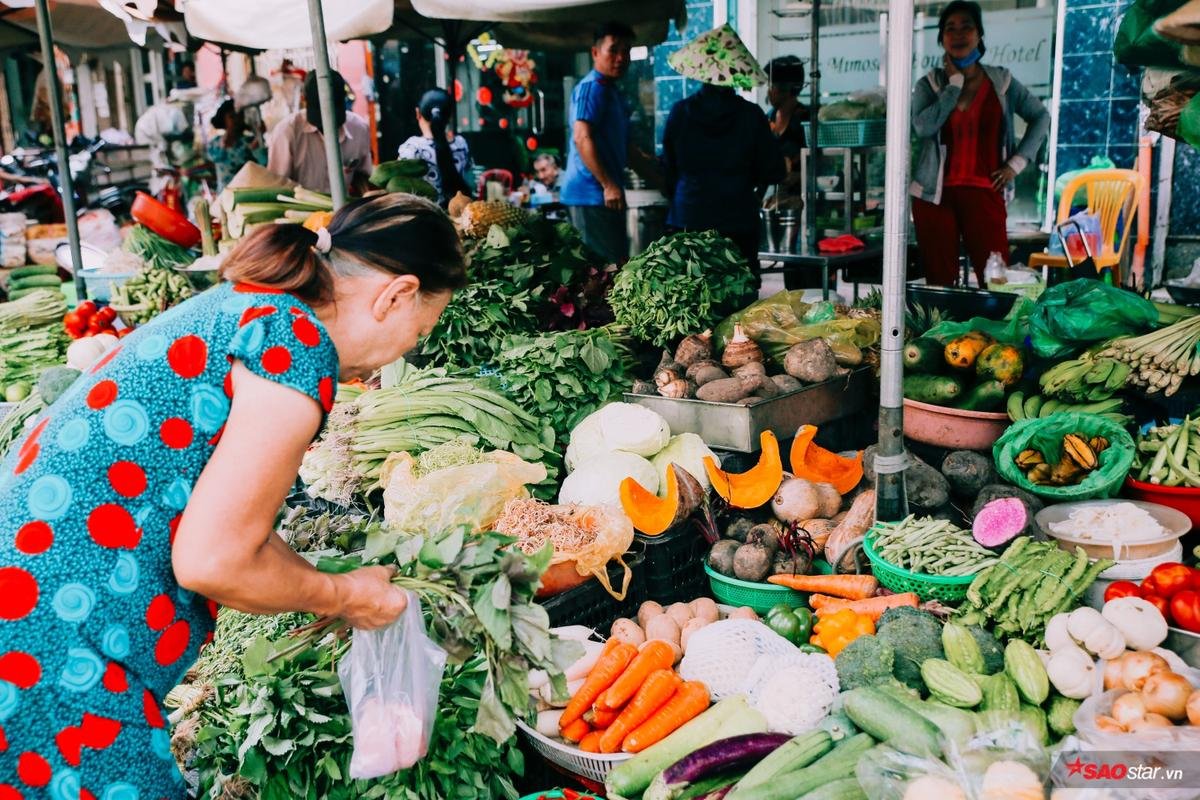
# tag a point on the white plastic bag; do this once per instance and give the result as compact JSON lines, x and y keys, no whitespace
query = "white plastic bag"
{"x":390,"y":679}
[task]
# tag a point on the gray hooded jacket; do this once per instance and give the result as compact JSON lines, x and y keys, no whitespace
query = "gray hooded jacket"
{"x":933,"y":101}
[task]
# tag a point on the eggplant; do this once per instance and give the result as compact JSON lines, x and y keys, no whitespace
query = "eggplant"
{"x":722,"y":756}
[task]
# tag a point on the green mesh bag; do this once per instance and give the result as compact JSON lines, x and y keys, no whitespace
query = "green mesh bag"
{"x":1045,"y":434}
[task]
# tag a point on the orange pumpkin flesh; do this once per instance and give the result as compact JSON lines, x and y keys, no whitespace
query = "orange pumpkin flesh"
{"x":814,"y":463}
{"x":652,"y":514}
{"x":757,"y":485}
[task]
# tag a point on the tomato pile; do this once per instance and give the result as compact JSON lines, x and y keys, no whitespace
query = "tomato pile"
{"x":1173,"y":588}
{"x":88,"y":319}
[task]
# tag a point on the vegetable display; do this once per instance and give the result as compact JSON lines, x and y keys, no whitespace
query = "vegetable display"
{"x":1079,"y":455}
{"x":1028,"y":585}
{"x":471,"y":330}
{"x":972,"y":371}
{"x":681,"y":284}
{"x":1169,"y":455}
{"x":1159,"y":361}
{"x":155,"y":251}
{"x":28,"y":279}
{"x":31,"y":339}
{"x":149,"y":293}
{"x":930,"y":546}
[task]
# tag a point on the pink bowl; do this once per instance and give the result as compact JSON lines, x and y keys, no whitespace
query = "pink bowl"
{"x":953,"y":428}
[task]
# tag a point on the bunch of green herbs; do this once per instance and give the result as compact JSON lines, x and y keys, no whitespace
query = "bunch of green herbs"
{"x":681,"y":284}
{"x":475,"y":322}
{"x":567,"y":374}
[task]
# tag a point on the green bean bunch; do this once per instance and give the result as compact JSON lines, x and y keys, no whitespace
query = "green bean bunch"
{"x":930,"y":546}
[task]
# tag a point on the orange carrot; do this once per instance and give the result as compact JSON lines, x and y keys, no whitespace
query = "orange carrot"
{"x":689,"y":701}
{"x":872,"y":607}
{"x":656,"y":655}
{"x":822,"y":600}
{"x":654,"y":693}
{"x":601,"y":717}
{"x":610,"y":666}
{"x":575,"y":731}
{"x":851,"y":587}
{"x":591,"y":742}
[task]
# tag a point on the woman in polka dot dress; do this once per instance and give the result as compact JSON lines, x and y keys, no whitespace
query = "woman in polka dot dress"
{"x":146,"y":495}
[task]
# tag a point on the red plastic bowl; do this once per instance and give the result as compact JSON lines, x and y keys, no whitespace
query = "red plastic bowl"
{"x":1180,"y":498}
{"x":166,"y":222}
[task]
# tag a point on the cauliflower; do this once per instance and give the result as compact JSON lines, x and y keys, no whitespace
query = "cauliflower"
{"x":915,"y":636}
{"x":866,"y":661}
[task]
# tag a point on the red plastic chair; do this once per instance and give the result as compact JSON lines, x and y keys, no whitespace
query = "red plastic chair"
{"x":502,"y":175}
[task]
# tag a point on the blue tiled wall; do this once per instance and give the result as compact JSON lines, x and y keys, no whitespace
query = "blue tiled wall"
{"x":669,"y":86}
{"x":1099,"y":111}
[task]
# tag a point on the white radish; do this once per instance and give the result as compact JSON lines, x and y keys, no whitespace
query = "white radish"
{"x":583,"y":666}
{"x":547,"y":694}
{"x":576,"y":633}
{"x":547,"y":722}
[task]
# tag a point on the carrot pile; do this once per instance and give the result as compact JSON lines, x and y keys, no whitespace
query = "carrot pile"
{"x":832,"y":593}
{"x":631,"y":699}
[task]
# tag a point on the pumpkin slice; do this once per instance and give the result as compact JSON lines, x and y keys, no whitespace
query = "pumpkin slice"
{"x":814,"y":463}
{"x":757,"y":485}
{"x":652,"y":514}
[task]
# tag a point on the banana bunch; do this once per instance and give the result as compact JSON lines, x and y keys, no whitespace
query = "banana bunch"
{"x":1084,"y":380}
{"x":1036,"y":406}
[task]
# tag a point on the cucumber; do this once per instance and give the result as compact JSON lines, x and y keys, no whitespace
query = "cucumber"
{"x":841,"y":789}
{"x":889,"y":720}
{"x":983,"y":396}
{"x":956,"y":724}
{"x":31,"y":270}
{"x":34,"y":282}
{"x":834,"y":765}
{"x":940,"y":390}
{"x":17,"y":294}
{"x":789,"y":757}
{"x":924,"y":355}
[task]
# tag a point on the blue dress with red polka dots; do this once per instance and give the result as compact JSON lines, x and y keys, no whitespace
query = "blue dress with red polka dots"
{"x":94,"y":628}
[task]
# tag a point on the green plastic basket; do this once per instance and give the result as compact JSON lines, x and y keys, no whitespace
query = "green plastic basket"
{"x":927,"y":587}
{"x":762,"y":597}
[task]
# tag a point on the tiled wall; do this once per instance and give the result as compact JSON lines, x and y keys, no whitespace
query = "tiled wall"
{"x":670,"y":87}
{"x":1099,"y":110}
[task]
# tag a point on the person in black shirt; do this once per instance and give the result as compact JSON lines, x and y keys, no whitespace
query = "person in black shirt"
{"x":719,"y":156}
{"x":787,"y":117}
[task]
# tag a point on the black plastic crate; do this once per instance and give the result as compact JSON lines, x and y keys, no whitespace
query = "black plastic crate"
{"x":674,"y":565}
{"x":590,"y":603}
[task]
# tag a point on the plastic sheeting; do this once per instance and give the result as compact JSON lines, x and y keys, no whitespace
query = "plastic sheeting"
{"x":282,"y":24}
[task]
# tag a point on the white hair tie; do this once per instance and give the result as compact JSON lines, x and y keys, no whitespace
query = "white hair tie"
{"x":324,"y":240}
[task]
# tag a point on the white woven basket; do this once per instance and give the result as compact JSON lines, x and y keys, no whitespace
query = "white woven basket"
{"x":593,"y":766}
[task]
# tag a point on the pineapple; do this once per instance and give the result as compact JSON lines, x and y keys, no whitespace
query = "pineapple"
{"x":920,"y":319}
{"x":479,"y":216}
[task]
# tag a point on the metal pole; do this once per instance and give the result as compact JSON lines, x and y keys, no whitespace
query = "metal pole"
{"x":65,"y":182}
{"x":333,"y":148}
{"x":891,"y":503}
{"x":814,"y":152}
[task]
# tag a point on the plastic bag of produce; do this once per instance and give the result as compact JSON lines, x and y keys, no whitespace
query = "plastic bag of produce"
{"x":1046,"y":434}
{"x":390,"y":679}
{"x":783,"y":319}
{"x":1013,"y":329}
{"x":1074,"y":315}
{"x":470,"y":494}
{"x":1137,"y":44}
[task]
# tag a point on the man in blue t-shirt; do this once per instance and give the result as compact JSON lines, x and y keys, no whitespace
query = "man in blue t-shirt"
{"x":594,"y":187}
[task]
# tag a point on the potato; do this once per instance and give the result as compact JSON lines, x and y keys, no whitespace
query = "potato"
{"x":663,"y":627}
{"x":674,"y":647}
{"x":694,"y":624}
{"x":648,"y":611}
{"x":680,"y":612}
{"x":745,"y":612}
{"x":705,"y":608}
{"x":626,"y":630}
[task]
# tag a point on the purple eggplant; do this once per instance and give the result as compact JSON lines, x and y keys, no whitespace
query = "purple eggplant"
{"x":722,"y":756}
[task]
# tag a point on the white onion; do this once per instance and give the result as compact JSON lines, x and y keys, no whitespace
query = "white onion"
{"x":1128,"y":709}
{"x":1109,"y":725}
{"x":1167,"y":693}
{"x":1151,"y":721}
{"x":1137,"y":667}
{"x":1193,"y":707}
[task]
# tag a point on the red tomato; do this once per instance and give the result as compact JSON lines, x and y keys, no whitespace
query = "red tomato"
{"x":1122,"y":589}
{"x":86,"y":309}
{"x":1167,"y":579}
{"x":107,"y":315}
{"x":1185,"y":610}
{"x":1158,"y":602}
{"x":75,"y":324}
{"x":96,"y":325}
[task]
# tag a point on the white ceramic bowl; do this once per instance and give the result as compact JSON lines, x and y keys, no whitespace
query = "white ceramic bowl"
{"x":1175,"y":523}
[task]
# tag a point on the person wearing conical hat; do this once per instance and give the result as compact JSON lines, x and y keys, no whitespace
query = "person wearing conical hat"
{"x":719,"y":155}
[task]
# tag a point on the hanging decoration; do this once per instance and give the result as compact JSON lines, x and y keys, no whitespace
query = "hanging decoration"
{"x":517,"y":74}
{"x":485,"y":51}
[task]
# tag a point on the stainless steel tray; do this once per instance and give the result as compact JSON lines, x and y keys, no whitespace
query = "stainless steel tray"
{"x":729,"y":426}
{"x":1186,"y":645}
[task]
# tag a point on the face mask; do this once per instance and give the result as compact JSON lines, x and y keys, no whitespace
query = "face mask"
{"x":963,"y":63}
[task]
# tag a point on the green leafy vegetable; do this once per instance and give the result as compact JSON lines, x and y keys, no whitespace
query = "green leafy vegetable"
{"x":682,"y":284}
{"x":471,"y":329}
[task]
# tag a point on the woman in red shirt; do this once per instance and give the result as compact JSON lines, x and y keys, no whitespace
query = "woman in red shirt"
{"x":963,"y":113}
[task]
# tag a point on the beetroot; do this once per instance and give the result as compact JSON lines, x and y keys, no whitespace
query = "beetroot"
{"x":999,"y":522}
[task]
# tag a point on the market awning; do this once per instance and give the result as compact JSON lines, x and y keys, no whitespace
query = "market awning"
{"x":78,"y":24}
{"x":561,"y":24}
{"x":283,"y":24}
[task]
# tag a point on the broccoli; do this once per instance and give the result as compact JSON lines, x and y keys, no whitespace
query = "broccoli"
{"x":53,"y":382}
{"x":866,"y":661}
{"x":989,"y":646}
{"x":915,"y":636}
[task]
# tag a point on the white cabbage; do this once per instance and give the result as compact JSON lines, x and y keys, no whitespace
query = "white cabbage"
{"x":688,"y":451}
{"x":597,"y":481}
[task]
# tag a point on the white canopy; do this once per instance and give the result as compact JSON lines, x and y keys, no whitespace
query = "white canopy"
{"x":282,"y":24}
{"x":524,"y":11}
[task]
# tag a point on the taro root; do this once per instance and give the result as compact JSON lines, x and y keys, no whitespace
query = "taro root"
{"x":697,"y":347}
{"x":740,"y":350}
